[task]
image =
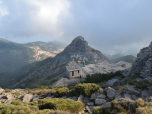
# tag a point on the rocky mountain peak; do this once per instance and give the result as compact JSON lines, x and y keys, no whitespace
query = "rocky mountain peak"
{"x":143,"y":63}
{"x":79,"y":42}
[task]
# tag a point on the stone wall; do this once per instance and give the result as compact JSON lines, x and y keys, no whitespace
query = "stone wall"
{"x":76,"y":74}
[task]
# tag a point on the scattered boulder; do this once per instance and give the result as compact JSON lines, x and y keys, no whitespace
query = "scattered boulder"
{"x":149,"y":99}
{"x":111,"y":93}
{"x":93,"y":96}
{"x":27,"y":98}
{"x":134,"y":97}
{"x":75,"y":98}
{"x":106,"y":104}
{"x":86,"y":100}
{"x":102,"y":96}
{"x":100,"y":101}
{"x":100,"y":91}
{"x":150,"y":90}
{"x":35,"y":98}
{"x":144,"y":94}
{"x":132,"y":90}
{"x":118,"y":95}
{"x":112,"y":83}
{"x":90,"y":104}
{"x":63,"y":97}
{"x":127,"y":95}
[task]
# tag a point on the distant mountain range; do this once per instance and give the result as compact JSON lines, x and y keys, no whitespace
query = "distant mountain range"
{"x":14,"y":55}
{"x":55,"y":67}
{"x":127,"y":58}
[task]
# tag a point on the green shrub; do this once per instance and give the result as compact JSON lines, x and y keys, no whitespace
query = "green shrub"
{"x":86,"y":88}
{"x":16,"y":102}
{"x":97,"y":110}
{"x":61,"y":91}
{"x":42,"y":87}
{"x":45,"y":111}
{"x":16,"y":93}
{"x":61,"y":104}
{"x":98,"y":77}
{"x":115,"y":106}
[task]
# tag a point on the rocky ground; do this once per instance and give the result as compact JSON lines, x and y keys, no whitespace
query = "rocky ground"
{"x":114,"y":90}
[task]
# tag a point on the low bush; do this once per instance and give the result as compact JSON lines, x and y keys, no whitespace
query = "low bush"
{"x":97,"y":110}
{"x":98,"y":77}
{"x":16,"y":102}
{"x":61,"y":104}
{"x":42,"y":87}
{"x":62,"y":91}
{"x":144,"y":84}
{"x":86,"y":88}
{"x":16,"y":93}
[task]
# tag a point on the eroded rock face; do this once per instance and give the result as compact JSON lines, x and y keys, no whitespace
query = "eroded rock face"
{"x":100,"y":101}
{"x":132,"y":90}
{"x":143,"y":63}
{"x":111,"y":93}
{"x":27,"y":98}
{"x":112,"y":83}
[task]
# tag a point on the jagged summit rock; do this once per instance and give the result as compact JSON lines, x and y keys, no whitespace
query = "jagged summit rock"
{"x":143,"y":63}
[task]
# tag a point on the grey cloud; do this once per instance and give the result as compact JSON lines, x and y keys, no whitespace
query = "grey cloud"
{"x":108,"y":25}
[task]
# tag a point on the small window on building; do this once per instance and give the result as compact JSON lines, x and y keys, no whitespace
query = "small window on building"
{"x":72,"y":73}
{"x":78,"y":71}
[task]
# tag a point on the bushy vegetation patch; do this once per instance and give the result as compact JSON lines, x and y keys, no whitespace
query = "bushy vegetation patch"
{"x":144,"y":84}
{"x":61,"y":91}
{"x":61,"y":104}
{"x":86,"y":89}
{"x":125,"y":107}
{"x":16,"y":93}
{"x":43,"y":106}
{"x":16,"y":102}
{"x":97,"y":110}
{"x":98,"y":77}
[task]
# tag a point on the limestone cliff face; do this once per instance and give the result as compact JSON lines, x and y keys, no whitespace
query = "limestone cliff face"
{"x":143,"y":63}
{"x":77,"y":50}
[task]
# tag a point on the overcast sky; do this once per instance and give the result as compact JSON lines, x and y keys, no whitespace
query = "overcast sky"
{"x":107,"y":25}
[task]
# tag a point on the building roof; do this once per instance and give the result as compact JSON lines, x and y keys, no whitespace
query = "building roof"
{"x":73,"y":66}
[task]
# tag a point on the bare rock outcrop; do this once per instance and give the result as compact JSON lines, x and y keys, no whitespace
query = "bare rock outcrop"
{"x":143,"y":63}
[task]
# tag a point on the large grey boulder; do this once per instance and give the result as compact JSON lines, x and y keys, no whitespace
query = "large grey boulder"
{"x":134,"y":97}
{"x":86,"y":100}
{"x":27,"y":98}
{"x":118,"y":95}
{"x":127,"y":95}
{"x":100,"y":101}
{"x":112,"y":83}
{"x":144,"y":94}
{"x":102,"y":96}
{"x":149,"y":99}
{"x":75,"y":98}
{"x":93,"y":96}
{"x":132,"y":90}
{"x":111,"y":93}
{"x":150,"y":90}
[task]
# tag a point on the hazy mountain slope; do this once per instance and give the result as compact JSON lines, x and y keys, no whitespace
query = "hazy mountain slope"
{"x":77,"y":50}
{"x":128,"y":58}
{"x":14,"y":56}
